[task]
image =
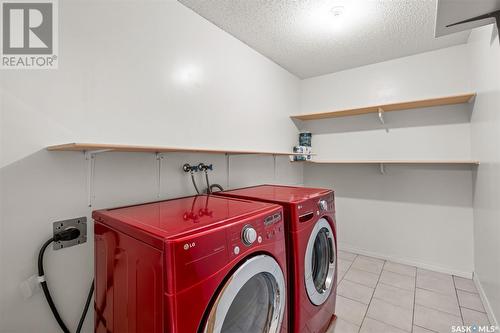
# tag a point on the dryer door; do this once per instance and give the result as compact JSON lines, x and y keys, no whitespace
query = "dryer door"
{"x":319,"y":265}
{"x":252,"y":300}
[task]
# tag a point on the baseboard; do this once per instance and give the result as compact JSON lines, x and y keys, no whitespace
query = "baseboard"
{"x":486,"y":303}
{"x":406,"y":261}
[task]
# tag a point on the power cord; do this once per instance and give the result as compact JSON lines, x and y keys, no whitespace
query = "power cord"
{"x":85,"y":308}
{"x":65,"y":235}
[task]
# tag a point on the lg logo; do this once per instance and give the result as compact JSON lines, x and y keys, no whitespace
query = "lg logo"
{"x":188,"y":246}
{"x":29,"y":34}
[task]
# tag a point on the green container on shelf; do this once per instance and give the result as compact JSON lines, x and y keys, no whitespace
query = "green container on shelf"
{"x":305,"y":139}
{"x":299,"y":150}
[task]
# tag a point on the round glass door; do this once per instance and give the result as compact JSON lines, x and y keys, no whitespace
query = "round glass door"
{"x":252,"y":300}
{"x":320,"y":262}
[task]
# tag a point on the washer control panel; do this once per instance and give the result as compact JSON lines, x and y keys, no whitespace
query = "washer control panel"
{"x":265,"y":229}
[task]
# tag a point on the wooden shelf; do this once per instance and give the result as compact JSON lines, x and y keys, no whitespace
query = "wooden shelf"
{"x":101,"y":147}
{"x":451,"y":162}
{"x":423,"y":103}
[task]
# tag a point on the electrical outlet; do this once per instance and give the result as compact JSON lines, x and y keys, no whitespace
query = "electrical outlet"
{"x":79,"y":223}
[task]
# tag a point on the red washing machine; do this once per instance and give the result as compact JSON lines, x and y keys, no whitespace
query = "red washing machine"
{"x":311,"y":251}
{"x":189,"y":265}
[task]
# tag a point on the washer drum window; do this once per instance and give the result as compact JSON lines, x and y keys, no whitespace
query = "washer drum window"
{"x":320,"y":262}
{"x":252,"y":300}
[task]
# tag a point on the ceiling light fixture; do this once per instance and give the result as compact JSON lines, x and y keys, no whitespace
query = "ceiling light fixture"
{"x":321,"y":18}
{"x":337,"y":11}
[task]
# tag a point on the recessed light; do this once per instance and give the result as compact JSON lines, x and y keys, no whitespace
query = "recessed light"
{"x":337,"y":11}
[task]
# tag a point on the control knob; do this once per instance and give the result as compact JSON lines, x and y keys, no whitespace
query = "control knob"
{"x":249,"y":235}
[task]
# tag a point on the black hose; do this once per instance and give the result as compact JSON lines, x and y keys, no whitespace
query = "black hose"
{"x":194,"y":183}
{"x":209,"y":190}
{"x":45,"y":288}
{"x":85,"y":309}
{"x":216,"y":186}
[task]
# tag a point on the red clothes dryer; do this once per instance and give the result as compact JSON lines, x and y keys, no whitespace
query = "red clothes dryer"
{"x":311,"y":251}
{"x":196,"y":264}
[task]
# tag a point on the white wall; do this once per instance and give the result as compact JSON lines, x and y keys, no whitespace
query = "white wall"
{"x":484,"y":54}
{"x":122,"y":79}
{"x":414,"y":214}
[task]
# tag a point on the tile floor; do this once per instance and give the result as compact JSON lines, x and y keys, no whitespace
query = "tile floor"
{"x":378,"y":296}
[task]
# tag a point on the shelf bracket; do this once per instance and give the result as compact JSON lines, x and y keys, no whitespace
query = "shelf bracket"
{"x":382,"y":168}
{"x":227,"y":169}
{"x":90,"y":161}
{"x":275,"y":173}
{"x":90,"y":166}
{"x":158,"y":157}
{"x":381,"y":118}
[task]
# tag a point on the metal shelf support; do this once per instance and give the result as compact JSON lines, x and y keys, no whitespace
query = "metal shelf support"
{"x":382,"y":168}
{"x":90,"y":161}
{"x":381,"y":118}
{"x":275,"y":168}
{"x":227,"y":169}
{"x":158,"y":157}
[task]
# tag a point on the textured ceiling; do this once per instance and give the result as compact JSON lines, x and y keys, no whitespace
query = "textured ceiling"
{"x":305,"y":37}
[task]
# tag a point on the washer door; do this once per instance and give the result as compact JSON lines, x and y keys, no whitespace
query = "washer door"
{"x":320,"y":262}
{"x":252,"y":300}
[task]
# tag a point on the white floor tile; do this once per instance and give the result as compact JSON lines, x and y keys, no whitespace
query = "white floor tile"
{"x":355,"y":291}
{"x":434,"y":281}
{"x":362,"y":277}
{"x":433,"y":274}
{"x":343,"y":265}
{"x":349,"y":310}
{"x":398,"y":280}
{"x":368,"y":264}
{"x":390,"y":314}
{"x":472,"y":317}
{"x":346,"y":255}
{"x":465,"y":284}
{"x":372,"y":258}
{"x":394,"y":295}
{"x":400,"y":268}
{"x":392,"y":306}
{"x":418,"y":329}
{"x":374,"y":326}
{"x":340,"y":276}
{"x":435,"y":320}
{"x":342,"y":326}
{"x":437,"y":301}
{"x":470,"y":301}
